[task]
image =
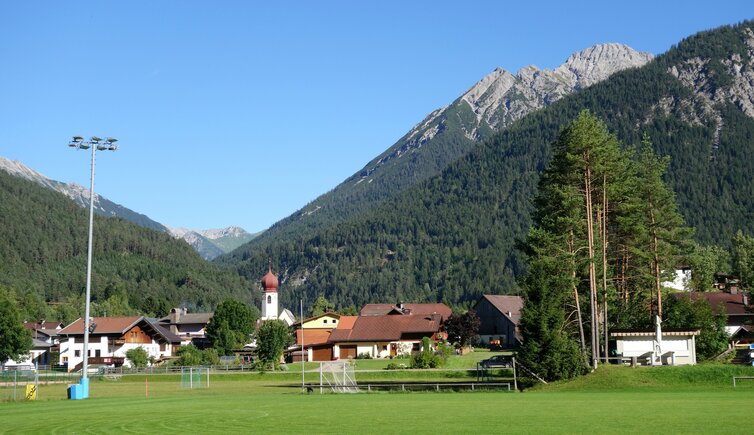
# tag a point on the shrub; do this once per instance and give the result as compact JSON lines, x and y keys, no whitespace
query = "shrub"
{"x":394,"y":366}
{"x":364,"y":355}
{"x":138,"y":357}
{"x":427,"y":358}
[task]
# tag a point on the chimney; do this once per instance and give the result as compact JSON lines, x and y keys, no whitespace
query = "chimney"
{"x":745,"y":299}
{"x":510,"y":314}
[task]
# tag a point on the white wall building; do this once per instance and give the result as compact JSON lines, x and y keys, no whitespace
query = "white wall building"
{"x":111,"y":338}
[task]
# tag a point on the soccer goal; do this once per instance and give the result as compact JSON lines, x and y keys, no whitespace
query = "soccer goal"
{"x":194,"y":377}
{"x":338,"y":376}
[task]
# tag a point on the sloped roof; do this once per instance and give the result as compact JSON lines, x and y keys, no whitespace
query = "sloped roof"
{"x":732,"y":304}
{"x":105,"y":325}
{"x":163,"y":333}
{"x":387,"y":328}
{"x":189,"y":319}
{"x":507,"y":304}
{"x":39,"y":344}
{"x":414,"y":309}
{"x":347,"y":322}
{"x":313,"y":337}
{"x":120,"y":325}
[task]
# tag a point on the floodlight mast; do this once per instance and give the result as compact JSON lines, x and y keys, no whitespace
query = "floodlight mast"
{"x":95,"y":143}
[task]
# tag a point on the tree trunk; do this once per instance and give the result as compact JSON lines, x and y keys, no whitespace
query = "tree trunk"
{"x":604,"y":261}
{"x":656,"y":262}
{"x":590,"y":248}
{"x":572,"y":253}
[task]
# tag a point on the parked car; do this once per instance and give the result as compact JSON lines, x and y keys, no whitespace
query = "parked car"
{"x":497,"y":361}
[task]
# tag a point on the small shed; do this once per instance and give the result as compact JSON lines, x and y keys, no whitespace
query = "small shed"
{"x":676,"y":346}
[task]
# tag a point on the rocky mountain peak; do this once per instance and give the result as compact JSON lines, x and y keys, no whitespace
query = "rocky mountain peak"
{"x":599,"y":62}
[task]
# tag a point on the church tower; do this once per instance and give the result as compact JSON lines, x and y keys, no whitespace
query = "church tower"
{"x":270,"y":296}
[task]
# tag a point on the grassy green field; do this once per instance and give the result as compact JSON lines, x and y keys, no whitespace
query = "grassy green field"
{"x":614,"y":399}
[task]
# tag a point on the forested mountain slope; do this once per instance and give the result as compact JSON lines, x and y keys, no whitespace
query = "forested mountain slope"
{"x":43,"y":242}
{"x":452,"y":237}
{"x":449,"y":132}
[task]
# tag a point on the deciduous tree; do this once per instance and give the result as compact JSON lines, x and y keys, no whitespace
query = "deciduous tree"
{"x":462,"y":329}
{"x":15,"y":340}
{"x":231,"y":326}
{"x":272,"y":339}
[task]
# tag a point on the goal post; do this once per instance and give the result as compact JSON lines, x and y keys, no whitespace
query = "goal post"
{"x":194,"y":377}
{"x":338,"y":376}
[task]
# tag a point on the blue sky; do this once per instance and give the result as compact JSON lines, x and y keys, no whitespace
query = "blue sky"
{"x":241,"y":112}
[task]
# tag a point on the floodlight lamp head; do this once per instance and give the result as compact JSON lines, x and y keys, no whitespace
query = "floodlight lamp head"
{"x":95,"y":139}
{"x":73,"y":144}
{"x":101,"y":147}
{"x":84,"y":146}
{"x":111,"y":140}
{"x":112,"y":147}
{"x":77,"y":138}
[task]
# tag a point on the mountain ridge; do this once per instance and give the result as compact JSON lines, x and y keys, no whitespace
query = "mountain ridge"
{"x":449,"y":132}
{"x":209,"y":243}
{"x":452,"y":237}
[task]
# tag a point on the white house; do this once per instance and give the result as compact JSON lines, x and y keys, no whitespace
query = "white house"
{"x":111,"y":338}
{"x":39,"y":355}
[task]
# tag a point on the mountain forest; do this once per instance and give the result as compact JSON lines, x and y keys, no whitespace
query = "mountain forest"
{"x":136,"y":270}
{"x":453,"y":237}
{"x":456,"y":229}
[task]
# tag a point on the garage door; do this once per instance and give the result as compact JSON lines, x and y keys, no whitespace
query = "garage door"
{"x":347,"y":352}
{"x":322,"y":354}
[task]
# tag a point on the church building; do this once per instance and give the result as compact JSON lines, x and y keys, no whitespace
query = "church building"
{"x":270,"y":300}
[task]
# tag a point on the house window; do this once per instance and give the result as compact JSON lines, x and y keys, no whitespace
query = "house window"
{"x":77,"y":353}
{"x":269,"y":299}
{"x":324,"y":321}
{"x":98,"y":353}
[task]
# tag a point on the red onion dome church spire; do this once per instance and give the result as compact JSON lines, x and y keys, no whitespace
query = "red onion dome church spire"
{"x":270,"y":299}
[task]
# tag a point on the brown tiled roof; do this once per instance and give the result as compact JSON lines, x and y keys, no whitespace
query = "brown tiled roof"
{"x":347,"y":322}
{"x":105,"y":325}
{"x":732,"y":304}
{"x":313,"y":337}
{"x":387,"y":328}
{"x":415,"y":309}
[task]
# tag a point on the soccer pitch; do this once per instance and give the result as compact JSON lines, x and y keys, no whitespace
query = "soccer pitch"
{"x":271,"y":404}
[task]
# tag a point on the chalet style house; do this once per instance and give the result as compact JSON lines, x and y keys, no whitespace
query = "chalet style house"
{"x":190,"y":327}
{"x":111,"y":338}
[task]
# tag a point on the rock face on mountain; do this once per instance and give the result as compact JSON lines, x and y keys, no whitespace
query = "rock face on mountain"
{"x":501,"y":97}
{"x":80,"y":195}
{"x":447,"y":133}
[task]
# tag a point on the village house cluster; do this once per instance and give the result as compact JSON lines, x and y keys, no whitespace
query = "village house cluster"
{"x":378,"y":331}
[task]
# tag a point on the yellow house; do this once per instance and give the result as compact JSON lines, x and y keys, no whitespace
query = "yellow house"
{"x":323,"y":321}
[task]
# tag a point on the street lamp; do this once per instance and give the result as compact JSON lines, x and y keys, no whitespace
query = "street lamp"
{"x":96,"y":144}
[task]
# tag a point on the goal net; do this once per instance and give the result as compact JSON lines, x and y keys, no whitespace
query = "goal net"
{"x":194,"y":377}
{"x":338,"y":376}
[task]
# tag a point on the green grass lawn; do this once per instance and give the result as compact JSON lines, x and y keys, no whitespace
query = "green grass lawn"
{"x":614,"y":399}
